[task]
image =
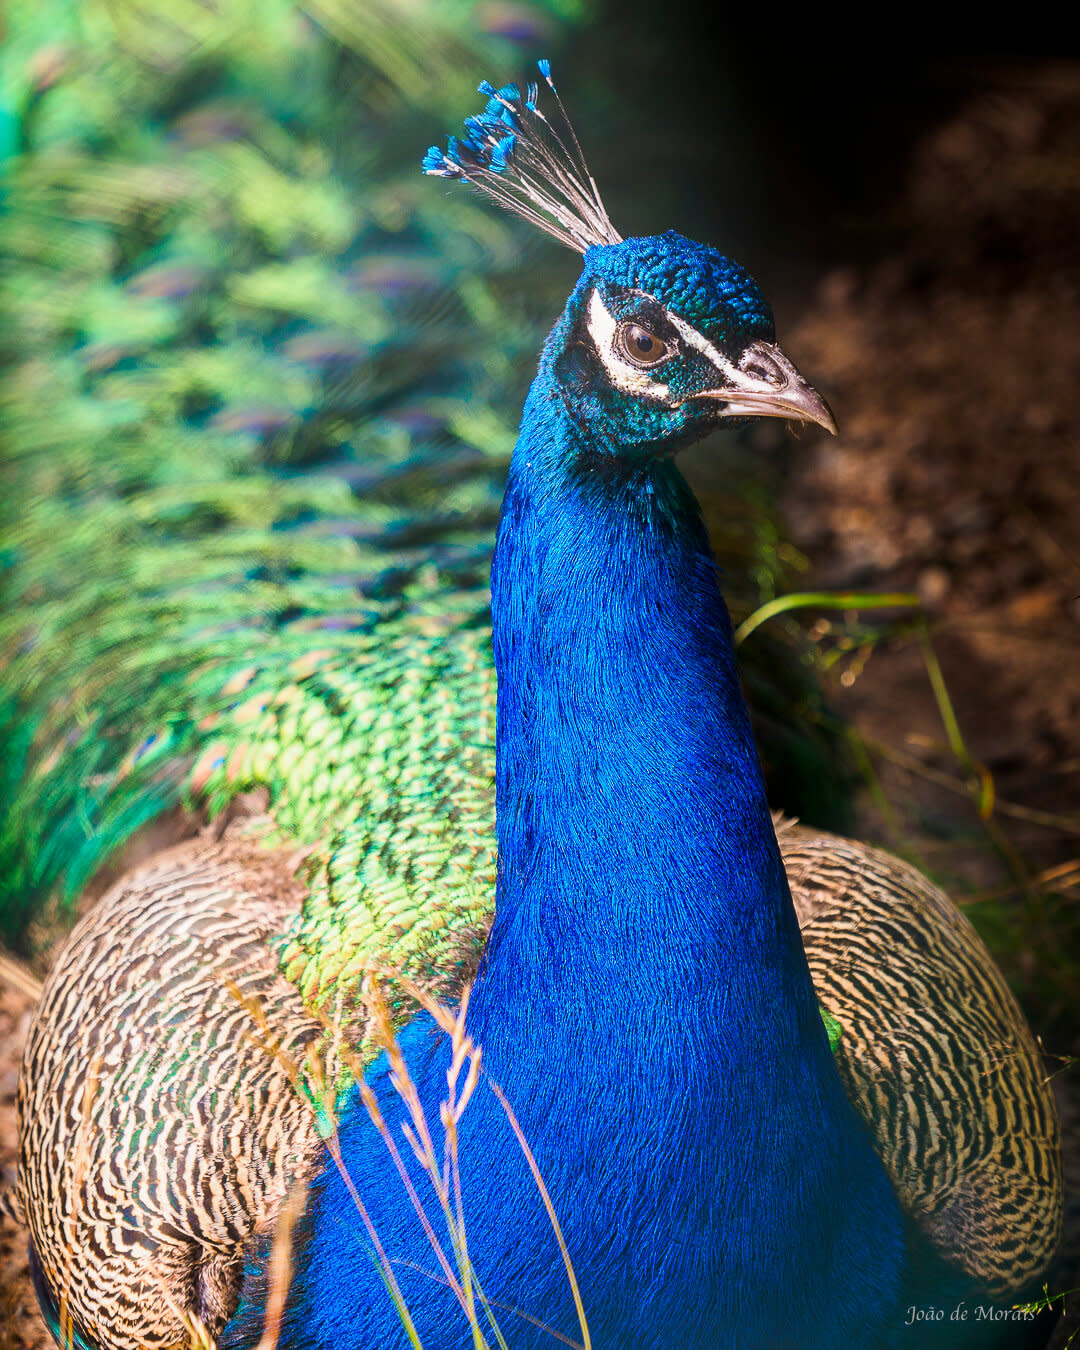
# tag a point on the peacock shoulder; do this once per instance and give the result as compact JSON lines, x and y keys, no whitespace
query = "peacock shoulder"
{"x":936,"y":1055}
{"x":407,"y":886}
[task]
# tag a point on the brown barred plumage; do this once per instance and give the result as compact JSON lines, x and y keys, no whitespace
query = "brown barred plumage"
{"x":933,"y":1048}
{"x":157,"y":1131}
{"x":936,"y":1054}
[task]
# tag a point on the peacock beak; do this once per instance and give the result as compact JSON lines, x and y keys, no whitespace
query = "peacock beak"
{"x":766,"y":384}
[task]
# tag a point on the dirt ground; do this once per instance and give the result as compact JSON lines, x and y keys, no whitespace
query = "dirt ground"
{"x":956,"y":476}
{"x":952,"y":370}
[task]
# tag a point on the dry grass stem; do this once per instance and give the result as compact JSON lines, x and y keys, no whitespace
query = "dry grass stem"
{"x":386,"y":1270}
{"x":539,"y":1180}
{"x":280,"y":1274}
{"x":313,"y":1081}
{"x":1064,"y":824}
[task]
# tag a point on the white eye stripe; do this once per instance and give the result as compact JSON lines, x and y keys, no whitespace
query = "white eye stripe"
{"x":602,"y":329}
{"x":694,"y":339}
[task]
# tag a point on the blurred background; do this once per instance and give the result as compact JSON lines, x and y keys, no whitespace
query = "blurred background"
{"x":222,"y":267}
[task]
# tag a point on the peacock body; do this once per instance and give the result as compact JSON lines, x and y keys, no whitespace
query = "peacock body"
{"x":352,"y":674}
{"x":713,"y":1177}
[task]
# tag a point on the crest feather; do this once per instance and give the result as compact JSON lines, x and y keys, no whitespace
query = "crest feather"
{"x":513,"y":154}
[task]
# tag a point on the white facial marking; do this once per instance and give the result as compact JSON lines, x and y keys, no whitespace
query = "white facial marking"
{"x":602,"y":329}
{"x":739,"y":381}
{"x":701,"y":344}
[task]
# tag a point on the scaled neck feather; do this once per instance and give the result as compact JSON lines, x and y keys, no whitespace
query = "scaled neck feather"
{"x":645,"y":962}
{"x":630,"y":806}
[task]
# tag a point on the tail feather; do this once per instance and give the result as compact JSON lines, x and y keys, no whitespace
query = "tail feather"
{"x":248,"y":399}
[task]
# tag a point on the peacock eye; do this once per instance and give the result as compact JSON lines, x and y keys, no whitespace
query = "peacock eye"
{"x":640,"y":346}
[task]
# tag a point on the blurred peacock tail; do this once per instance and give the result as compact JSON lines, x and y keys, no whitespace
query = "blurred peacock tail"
{"x":254,"y":455}
{"x":249,"y":418}
{"x":254,"y":379}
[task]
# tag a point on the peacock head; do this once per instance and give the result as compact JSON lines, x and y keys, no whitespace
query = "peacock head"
{"x":662,"y":337}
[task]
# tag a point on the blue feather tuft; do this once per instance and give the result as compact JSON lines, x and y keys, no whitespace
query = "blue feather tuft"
{"x":533,"y":171}
{"x":435,"y":162}
{"x":500,"y":156}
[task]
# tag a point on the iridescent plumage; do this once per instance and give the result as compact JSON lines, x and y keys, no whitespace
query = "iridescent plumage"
{"x":372,"y":722}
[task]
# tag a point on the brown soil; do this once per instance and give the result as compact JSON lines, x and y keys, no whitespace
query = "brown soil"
{"x":957,"y":476}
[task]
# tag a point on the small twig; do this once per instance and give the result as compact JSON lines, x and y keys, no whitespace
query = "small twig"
{"x":1064,"y":876}
{"x":495,"y":1303}
{"x":1064,"y":824}
{"x":973,"y":624}
{"x":877,"y":792}
{"x":984,"y":799}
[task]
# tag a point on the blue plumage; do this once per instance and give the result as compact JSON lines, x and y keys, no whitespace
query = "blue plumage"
{"x":710,"y":291}
{"x":644,"y":1000}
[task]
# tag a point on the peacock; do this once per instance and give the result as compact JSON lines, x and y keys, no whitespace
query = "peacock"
{"x":774,"y":1085}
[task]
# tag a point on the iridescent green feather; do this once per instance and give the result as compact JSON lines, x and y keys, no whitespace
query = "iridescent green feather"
{"x":241,"y":350}
{"x":259,"y":394}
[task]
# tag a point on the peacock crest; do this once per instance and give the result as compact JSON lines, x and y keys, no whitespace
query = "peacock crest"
{"x":514,"y":154}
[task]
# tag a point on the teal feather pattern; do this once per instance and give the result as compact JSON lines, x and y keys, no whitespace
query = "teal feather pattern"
{"x":258,"y":402}
{"x":239,"y":414}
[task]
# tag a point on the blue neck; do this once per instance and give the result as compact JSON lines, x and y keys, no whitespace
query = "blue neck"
{"x":630,"y":806}
{"x":645,"y":961}
{"x":644,"y":1001}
